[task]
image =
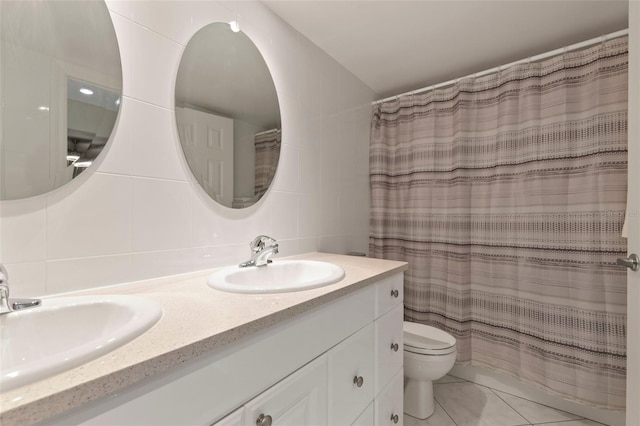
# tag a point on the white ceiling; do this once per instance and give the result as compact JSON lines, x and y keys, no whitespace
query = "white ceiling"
{"x":397,"y":46}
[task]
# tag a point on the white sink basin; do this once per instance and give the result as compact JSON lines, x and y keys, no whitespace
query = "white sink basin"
{"x":66,"y":332}
{"x":278,"y":277}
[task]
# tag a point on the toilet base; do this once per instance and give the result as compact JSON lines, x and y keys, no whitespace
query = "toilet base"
{"x":418,"y":398}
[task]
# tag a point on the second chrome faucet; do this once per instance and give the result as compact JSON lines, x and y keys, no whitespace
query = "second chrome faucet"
{"x":9,"y":305}
{"x":262,"y":248}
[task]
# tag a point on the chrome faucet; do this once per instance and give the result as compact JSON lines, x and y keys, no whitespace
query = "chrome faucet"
{"x":262,"y":248}
{"x":9,"y":305}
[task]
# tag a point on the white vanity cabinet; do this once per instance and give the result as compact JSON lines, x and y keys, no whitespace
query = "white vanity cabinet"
{"x":389,"y":353}
{"x":389,"y":402}
{"x":365,"y":370}
{"x":300,"y":399}
{"x":351,"y":377}
{"x":336,"y":364}
{"x":367,"y":417}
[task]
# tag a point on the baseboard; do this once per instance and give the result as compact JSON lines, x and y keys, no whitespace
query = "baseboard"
{"x":503,"y":383}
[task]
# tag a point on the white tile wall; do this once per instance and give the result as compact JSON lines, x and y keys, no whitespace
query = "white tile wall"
{"x":71,"y":274}
{"x":140,"y":216}
{"x":93,"y":220}
{"x":28,"y":279}
{"x":23,"y":230}
{"x":161,"y":215}
{"x":152,"y":137}
{"x":155,"y":61}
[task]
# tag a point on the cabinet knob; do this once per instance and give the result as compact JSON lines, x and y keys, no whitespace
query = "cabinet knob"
{"x":358,"y":381}
{"x":263,"y":420}
{"x":394,"y":418}
{"x":394,"y":347}
{"x":394,"y":293}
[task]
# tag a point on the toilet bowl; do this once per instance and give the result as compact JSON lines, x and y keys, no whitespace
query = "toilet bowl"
{"x":429,"y":354}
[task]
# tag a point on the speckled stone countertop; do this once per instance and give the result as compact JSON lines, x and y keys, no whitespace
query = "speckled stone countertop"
{"x":196,"y":320}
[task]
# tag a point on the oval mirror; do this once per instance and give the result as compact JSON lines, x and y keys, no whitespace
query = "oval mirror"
{"x":60,"y":88}
{"x":227,"y":116}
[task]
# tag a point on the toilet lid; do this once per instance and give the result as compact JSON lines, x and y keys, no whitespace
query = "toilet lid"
{"x":422,"y":338}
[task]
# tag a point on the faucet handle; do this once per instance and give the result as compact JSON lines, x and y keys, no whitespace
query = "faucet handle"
{"x":258,"y":244}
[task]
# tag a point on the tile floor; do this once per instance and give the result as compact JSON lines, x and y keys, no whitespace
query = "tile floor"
{"x":463,"y":403}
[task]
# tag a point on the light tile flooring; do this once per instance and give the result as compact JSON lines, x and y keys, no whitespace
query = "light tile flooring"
{"x":462,"y":403}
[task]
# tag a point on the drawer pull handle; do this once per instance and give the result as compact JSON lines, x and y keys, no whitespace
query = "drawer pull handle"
{"x":358,"y":381}
{"x":263,"y":420}
{"x":394,"y":418}
{"x":394,"y":347}
{"x":394,"y":293}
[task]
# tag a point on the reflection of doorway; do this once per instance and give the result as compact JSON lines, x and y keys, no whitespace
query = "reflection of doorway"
{"x":207,"y":140}
{"x":90,"y":115}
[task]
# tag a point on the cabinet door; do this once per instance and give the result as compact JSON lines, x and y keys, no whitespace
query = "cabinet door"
{"x":351,"y":376}
{"x":389,"y":293}
{"x":389,"y":346}
{"x":390,"y":403}
{"x":300,"y":399}
{"x":366,"y":418}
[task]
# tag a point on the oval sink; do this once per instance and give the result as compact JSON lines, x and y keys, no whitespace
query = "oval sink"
{"x":64,"y":333}
{"x":277,"y":277}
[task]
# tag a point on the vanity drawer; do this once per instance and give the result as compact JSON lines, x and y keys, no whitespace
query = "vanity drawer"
{"x":234,"y":419}
{"x":389,"y":346}
{"x":351,"y":376}
{"x":390,"y":403}
{"x":389,"y":293}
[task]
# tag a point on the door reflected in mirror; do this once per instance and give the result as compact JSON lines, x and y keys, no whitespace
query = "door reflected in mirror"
{"x":227,"y":115}
{"x":60,"y":88}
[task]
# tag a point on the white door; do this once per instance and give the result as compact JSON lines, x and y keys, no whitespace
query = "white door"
{"x":633,"y":211}
{"x":207,"y":140}
{"x":351,"y":376}
{"x":300,"y":399}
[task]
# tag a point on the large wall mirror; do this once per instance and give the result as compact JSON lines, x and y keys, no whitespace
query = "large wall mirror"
{"x":60,"y":88}
{"x":228,"y":116}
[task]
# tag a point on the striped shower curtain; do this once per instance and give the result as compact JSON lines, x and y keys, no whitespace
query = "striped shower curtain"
{"x":267,"y":145}
{"x":506,"y":195}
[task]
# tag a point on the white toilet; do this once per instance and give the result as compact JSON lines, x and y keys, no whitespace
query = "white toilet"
{"x":429,"y":354}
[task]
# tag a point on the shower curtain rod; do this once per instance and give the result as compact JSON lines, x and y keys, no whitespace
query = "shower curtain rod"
{"x":540,"y":57}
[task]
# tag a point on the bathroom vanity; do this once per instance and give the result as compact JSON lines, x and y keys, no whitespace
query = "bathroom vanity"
{"x":331,"y":355}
